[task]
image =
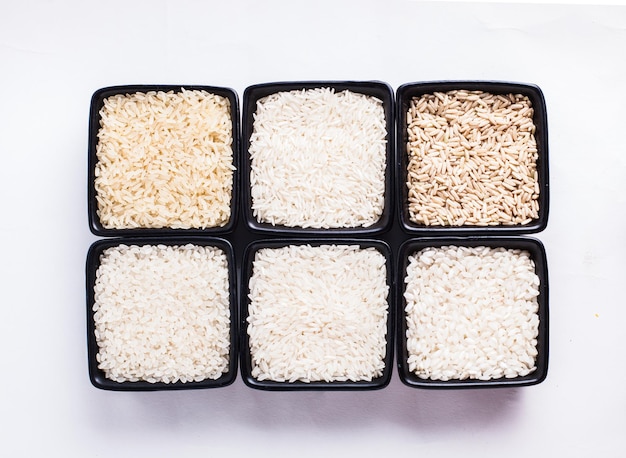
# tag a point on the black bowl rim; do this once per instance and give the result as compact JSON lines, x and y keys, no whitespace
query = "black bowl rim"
{"x":537,"y":251}
{"x":245,"y":359}
{"x":96,"y":376}
{"x":376,"y":88}
{"x":97,"y":101}
{"x":531,"y":90}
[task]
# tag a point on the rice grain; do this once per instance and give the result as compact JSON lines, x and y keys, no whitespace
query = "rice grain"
{"x":318,"y":159}
{"x":164,"y":160}
{"x":471,"y":313}
{"x":318,"y":313}
{"x":162,"y":313}
{"x":467,"y":144}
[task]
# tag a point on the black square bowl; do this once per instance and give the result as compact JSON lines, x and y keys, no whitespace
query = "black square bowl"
{"x":251,"y":96}
{"x":537,"y":253}
{"x":97,"y":102}
{"x":245,"y":355}
{"x":97,"y":376}
{"x":406,"y":92}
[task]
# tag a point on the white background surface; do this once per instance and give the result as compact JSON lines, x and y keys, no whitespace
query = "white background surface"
{"x":55,"y":54}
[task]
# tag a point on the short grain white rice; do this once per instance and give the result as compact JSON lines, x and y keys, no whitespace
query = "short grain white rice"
{"x":162,"y":313}
{"x":318,"y":313}
{"x":318,"y":159}
{"x":164,"y":160}
{"x":471,"y":313}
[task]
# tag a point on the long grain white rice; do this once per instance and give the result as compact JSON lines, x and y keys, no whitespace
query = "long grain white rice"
{"x":318,"y":159}
{"x":471,"y":313}
{"x":318,"y":313}
{"x":162,"y":313}
{"x":472,"y":159}
{"x":165,"y":160}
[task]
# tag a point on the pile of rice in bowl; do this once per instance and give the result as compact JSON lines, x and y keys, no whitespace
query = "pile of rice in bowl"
{"x":472,"y":159}
{"x":318,"y":159}
{"x":471,"y":313}
{"x":164,"y":160}
{"x":318,"y":313}
{"x":162,"y":313}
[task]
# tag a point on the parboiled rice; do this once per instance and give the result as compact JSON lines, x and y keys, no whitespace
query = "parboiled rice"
{"x":471,"y":313}
{"x":318,"y":159}
{"x":162,"y":313}
{"x":318,"y":313}
{"x":165,"y":160}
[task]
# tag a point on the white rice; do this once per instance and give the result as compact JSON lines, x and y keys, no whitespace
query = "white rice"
{"x":318,"y":313}
{"x":472,"y":313}
{"x":162,"y":313}
{"x":318,"y":159}
{"x":164,"y":160}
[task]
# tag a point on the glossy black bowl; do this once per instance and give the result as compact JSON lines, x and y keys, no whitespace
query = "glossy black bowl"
{"x":254,"y":93}
{"x":97,"y":102}
{"x":408,"y":91}
{"x":97,"y":376}
{"x":537,"y":253}
{"x":246,"y":358}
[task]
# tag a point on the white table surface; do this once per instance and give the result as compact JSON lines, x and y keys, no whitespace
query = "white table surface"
{"x":55,"y":54}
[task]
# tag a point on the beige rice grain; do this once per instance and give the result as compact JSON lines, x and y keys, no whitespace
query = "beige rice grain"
{"x":164,"y":160}
{"x":483,"y":141}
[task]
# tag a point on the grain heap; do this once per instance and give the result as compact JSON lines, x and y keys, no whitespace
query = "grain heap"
{"x":472,"y":159}
{"x":318,"y":159}
{"x":318,"y":313}
{"x":471,"y":313}
{"x":162,"y":313}
{"x":165,"y":160}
